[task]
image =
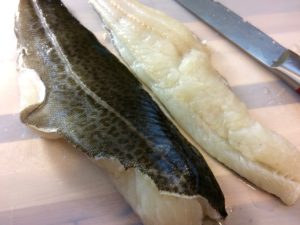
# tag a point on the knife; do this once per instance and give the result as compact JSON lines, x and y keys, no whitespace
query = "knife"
{"x":283,"y":62}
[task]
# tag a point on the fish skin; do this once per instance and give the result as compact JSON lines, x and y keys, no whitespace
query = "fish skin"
{"x":97,"y":105}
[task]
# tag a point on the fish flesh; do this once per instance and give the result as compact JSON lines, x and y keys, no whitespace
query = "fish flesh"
{"x":83,"y":93}
{"x":176,"y":67}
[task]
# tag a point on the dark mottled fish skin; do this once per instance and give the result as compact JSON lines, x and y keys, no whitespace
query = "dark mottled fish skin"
{"x":97,"y":105}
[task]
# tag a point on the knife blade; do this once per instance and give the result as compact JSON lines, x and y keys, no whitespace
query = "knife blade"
{"x":283,"y":62}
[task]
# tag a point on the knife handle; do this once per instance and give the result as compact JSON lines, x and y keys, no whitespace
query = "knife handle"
{"x":288,"y":69}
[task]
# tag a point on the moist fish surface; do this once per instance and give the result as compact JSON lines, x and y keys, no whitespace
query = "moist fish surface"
{"x":176,"y":68}
{"x":94,"y":102}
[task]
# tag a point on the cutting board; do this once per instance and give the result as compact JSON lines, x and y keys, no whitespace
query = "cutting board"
{"x":48,"y":182}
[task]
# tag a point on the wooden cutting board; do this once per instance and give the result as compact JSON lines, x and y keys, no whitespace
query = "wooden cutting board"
{"x":46,"y":182}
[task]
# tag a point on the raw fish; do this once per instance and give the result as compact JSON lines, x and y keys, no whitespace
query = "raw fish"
{"x":76,"y":89}
{"x":176,"y":68}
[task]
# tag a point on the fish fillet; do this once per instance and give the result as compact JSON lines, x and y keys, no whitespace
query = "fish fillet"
{"x":176,"y":67}
{"x":73,"y":87}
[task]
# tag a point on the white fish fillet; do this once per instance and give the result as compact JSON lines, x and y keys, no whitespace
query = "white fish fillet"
{"x":166,"y":192}
{"x":153,"y":206}
{"x":176,"y":67}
